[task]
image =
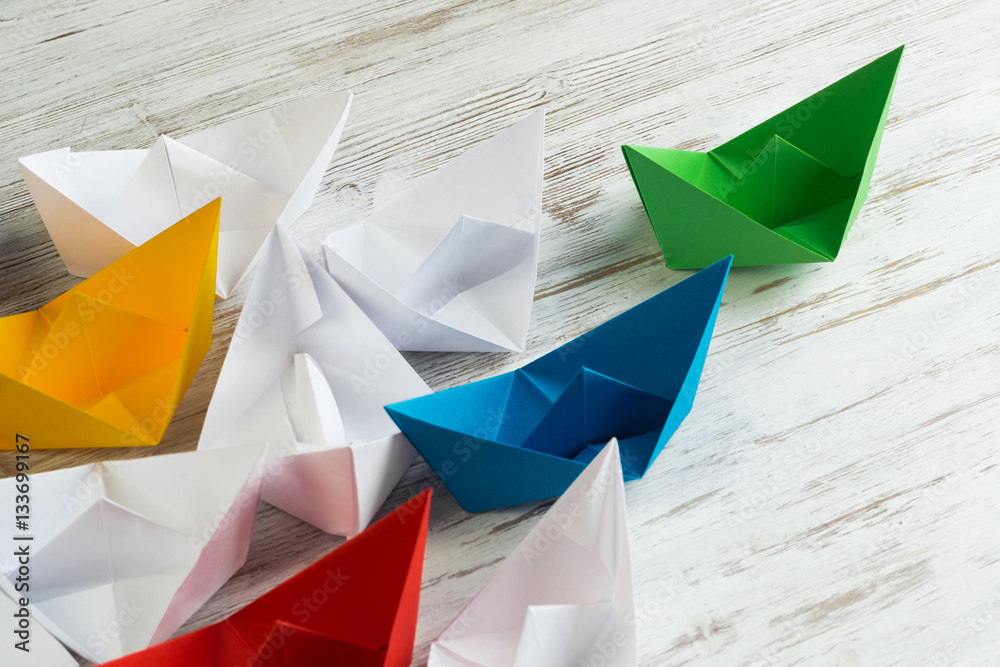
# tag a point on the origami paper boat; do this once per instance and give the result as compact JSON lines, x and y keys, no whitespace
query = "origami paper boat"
{"x":106,"y":363}
{"x":309,"y":373}
{"x":266,"y":167}
{"x":526,"y":435}
{"x":356,"y":607}
{"x":564,"y":595}
{"x":451,"y":264}
{"x":40,"y":649}
{"x":124,"y":552}
{"x":786,"y":191}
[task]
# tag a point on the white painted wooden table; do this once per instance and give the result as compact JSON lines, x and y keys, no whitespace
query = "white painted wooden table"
{"x":833,"y":497}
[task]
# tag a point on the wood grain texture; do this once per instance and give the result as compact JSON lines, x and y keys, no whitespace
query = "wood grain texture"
{"x":833,"y":497}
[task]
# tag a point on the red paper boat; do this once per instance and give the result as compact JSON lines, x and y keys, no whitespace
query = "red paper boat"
{"x":356,"y":607}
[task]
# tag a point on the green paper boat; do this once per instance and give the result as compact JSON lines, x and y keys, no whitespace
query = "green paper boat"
{"x":784,"y":192}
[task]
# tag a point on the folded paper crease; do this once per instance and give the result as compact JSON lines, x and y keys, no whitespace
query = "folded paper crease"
{"x":355,"y":606}
{"x":563,"y":594}
{"x":785,"y":191}
{"x":451,"y":264}
{"x":266,"y":167}
{"x":526,"y":435}
{"x":309,"y":373}
{"x":106,"y":363}
{"x":137,"y":545}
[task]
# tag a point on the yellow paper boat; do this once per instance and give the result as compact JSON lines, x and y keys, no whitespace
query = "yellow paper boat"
{"x":106,"y":363}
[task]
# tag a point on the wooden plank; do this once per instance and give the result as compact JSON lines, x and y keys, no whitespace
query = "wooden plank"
{"x":832,"y":498}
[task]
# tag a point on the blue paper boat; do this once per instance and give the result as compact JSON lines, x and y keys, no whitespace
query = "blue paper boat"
{"x":526,"y":435}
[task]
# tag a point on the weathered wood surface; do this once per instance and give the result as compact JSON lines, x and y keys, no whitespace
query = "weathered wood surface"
{"x":833,"y":497}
